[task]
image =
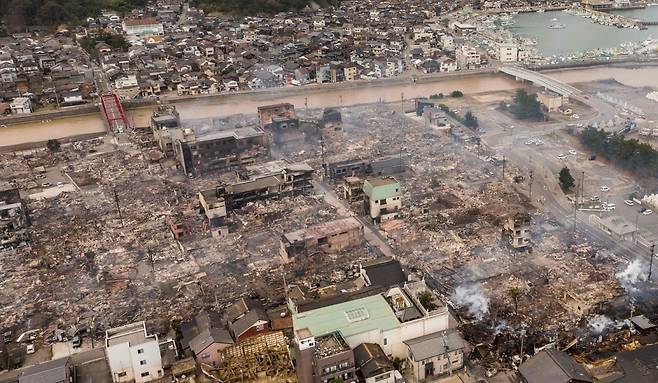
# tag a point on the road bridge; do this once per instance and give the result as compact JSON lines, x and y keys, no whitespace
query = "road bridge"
{"x":541,"y":80}
{"x":113,"y":112}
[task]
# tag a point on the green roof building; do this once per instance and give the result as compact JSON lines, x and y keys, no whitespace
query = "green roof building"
{"x":383,"y":198}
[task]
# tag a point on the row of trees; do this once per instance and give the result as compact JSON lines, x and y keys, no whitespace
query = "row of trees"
{"x":117,"y":42}
{"x":454,"y":93}
{"x":525,"y":106}
{"x":631,"y":154}
{"x":18,"y":14}
{"x":250,"y":7}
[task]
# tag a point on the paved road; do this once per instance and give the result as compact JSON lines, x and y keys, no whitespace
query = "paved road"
{"x":544,"y":165}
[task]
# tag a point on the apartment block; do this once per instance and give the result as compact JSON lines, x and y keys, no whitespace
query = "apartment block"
{"x":328,"y":237}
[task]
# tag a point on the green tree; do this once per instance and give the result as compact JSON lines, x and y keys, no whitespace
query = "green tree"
{"x":526,"y":106}
{"x":470,"y":120}
{"x":566,"y":180}
{"x":53,"y":145}
{"x":456,"y":94}
{"x":425,"y":299}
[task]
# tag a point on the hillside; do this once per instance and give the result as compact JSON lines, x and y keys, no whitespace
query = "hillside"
{"x":252,"y":7}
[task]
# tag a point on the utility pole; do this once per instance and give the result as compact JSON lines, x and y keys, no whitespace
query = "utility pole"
{"x":116,"y":200}
{"x":503,"y":168}
{"x":651,"y":262}
{"x":637,"y":216}
{"x":402,"y":102}
{"x":324,"y":165}
{"x":530,"y":187}
{"x":582,"y":188}
{"x":575,"y":210}
{"x":306,"y":105}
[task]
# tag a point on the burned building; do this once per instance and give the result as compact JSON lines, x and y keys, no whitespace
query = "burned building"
{"x":383,"y":166}
{"x":13,"y":220}
{"x":333,"y":236}
{"x":516,"y":228}
{"x":332,"y":119}
{"x":220,"y":149}
{"x":277,"y":115}
{"x":275,"y":179}
{"x":421,"y":104}
{"x":165,"y":125}
{"x":352,"y":188}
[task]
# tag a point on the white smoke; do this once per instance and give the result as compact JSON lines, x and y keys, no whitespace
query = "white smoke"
{"x":502,"y":325}
{"x":635,"y":272}
{"x":473,"y":299}
{"x":599,"y":323}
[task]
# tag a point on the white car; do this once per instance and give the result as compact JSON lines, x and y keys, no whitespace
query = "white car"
{"x":609,"y":206}
{"x":605,"y":188}
{"x":573,"y":152}
{"x":629,"y":202}
{"x":561,"y":156}
{"x":30,"y":349}
{"x":529,"y":142}
{"x":647,"y":212}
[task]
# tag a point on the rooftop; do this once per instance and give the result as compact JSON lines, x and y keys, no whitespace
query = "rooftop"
{"x":134,"y":334}
{"x":330,"y":344}
{"x":324,"y":229}
{"x":144,"y":21}
{"x":350,"y":318}
{"x":431,"y":345}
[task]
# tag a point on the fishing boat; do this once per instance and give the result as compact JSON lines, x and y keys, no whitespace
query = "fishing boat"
{"x":556,"y":26}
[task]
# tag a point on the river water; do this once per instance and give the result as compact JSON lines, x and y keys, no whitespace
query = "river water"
{"x":247,"y":103}
{"x":581,"y":34}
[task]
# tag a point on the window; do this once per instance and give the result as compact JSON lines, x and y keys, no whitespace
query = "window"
{"x":140,"y":351}
{"x":142,"y":362}
{"x":385,"y":341}
{"x":382,"y":202}
{"x":122,"y":374}
{"x":144,"y":374}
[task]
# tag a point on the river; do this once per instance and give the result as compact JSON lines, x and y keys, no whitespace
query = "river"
{"x":580,"y":34}
{"x":247,"y":103}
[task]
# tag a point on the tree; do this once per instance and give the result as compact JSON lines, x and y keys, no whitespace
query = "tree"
{"x":566,"y":180}
{"x":515,"y":293}
{"x":425,"y":299}
{"x":526,"y":106}
{"x":53,"y":145}
{"x":456,"y":94}
{"x":470,"y":120}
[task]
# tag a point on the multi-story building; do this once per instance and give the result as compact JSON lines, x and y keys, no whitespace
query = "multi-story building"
{"x":268,"y":112}
{"x":382,"y":198}
{"x":508,"y":52}
{"x":516,"y":228}
{"x":435,"y":354}
{"x":165,"y":125}
{"x":273,"y":179}
{"x":388,"y":318}
{"x":219,"y":149}
{"x":143,"y":27}
{"x":324,"y":358}
{"x":13,"y":220}
{"x":331,"y":237}
{"x":468,"y":57}
{"x":133,"y":354}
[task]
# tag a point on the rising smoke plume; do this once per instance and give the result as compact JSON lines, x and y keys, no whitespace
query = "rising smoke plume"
{"x":635,"y":272}
{"x":473,"y":299}
{"x":599,"y":323}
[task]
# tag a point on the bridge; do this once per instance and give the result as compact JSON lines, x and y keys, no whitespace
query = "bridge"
{"x":113,"y":113}
{"x":541,"y":80}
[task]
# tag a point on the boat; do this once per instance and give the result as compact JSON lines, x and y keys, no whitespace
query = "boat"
{"x":540,"y":10}
{"x":556,"y":26}
{"x":555,"y":19}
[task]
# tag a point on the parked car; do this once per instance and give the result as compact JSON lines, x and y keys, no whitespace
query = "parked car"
{"x":647,"y":212}
{"x":629,"y":202}
{"x":573,"y":152}
{"x":605,"y":188}
{"x":561,"y":156}
{"x":30,"y":349}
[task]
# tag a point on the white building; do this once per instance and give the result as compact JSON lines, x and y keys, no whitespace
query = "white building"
{"x":388,"y":319}
{"x":133,"y":354}
{"x":468,"y":57}
{"x":21,"y":105}
{"x":143,"y":27}
{"x":508,"y":52}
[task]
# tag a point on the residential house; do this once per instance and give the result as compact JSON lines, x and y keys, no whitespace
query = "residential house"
{"x":435,"y":354}
{"x":54,"y":371}
{"x":207,"y":346}
{"x":133,"y":354}
{"x":143,"y":27}
{"x":468,"y":57}
{"x":21,"y":105}
{"x":246,"y":318}
{"x":553,"y":366}
{"x":373,"y":365}
{"x":384,"y":271}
